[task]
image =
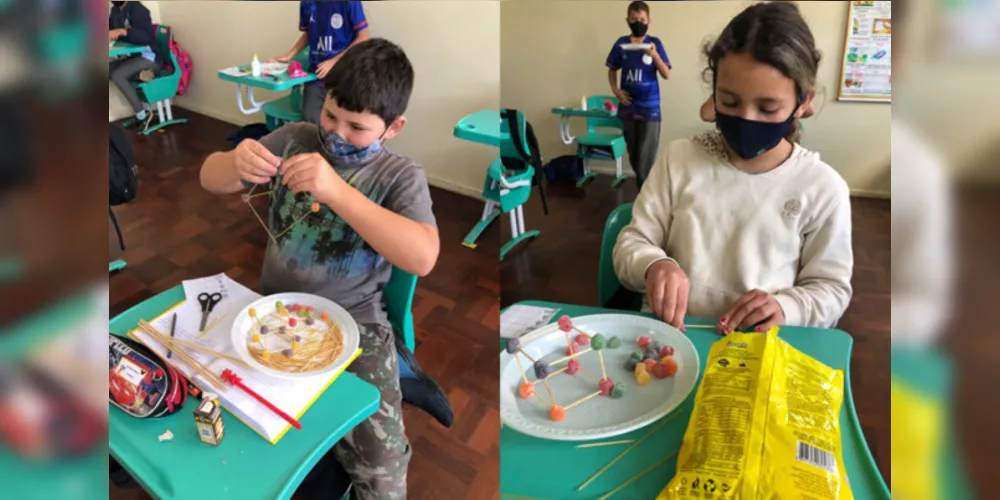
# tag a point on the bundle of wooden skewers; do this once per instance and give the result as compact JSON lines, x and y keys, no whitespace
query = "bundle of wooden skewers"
{"x":181,"y":348}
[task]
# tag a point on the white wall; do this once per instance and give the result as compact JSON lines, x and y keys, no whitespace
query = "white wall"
{"x":452,"y":79}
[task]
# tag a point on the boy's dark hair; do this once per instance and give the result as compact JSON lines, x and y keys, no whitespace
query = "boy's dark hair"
{"x":373,"y":76}
{"x":638,"y":6}
{"x":774,"y":34}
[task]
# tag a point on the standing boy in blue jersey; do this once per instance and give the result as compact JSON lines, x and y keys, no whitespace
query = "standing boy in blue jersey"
{"x":328,"y":29}
{"x":639,"y":93}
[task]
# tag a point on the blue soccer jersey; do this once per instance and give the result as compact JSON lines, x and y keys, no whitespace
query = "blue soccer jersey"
{"x":639,"y":78}
{"x":331,"y":27}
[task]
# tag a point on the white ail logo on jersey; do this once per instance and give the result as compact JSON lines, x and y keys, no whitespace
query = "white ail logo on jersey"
{"x":337,"y":21}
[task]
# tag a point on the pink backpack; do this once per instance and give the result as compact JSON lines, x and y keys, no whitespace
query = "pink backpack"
{"x":183,"y":61}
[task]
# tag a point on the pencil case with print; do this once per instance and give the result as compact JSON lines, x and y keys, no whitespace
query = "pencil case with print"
{"x":140,"y":383}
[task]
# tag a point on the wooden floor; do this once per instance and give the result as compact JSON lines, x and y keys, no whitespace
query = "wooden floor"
{"x":561,"y":266}
{"x":174,"y":231}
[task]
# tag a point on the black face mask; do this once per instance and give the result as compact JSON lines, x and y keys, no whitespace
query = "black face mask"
{"x":117,"y":4}
{"x":638,"y":28}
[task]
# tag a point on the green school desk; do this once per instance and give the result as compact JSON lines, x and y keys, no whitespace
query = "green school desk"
{"x":928,"y":374}
{"x":118,"y":49}
{"x":482,"y":127}
{"x":274,"y":83}
{"x":244,"y":466}
{"x":538,"y":468}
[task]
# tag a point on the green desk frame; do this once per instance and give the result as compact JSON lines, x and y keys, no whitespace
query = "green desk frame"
{"x":244,"y":465}
{"x":119,"y":49}
{"x":274,"y":83}
{"x":504,"y":193}
{"x":538,"y":468}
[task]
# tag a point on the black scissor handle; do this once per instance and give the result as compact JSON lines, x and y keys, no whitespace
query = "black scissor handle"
{"x":208,"y":301}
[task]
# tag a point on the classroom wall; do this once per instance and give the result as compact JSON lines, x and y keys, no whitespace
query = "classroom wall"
{"x":553,"y":53}
{"x":452,"y":79}
{"x":118,"y":107}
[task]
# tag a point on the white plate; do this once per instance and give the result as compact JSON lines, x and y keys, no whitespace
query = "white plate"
{"x":274,"y":68}
{"x":635,"y":46}
{"x":598,"y":417}
{"x":266,"y":305}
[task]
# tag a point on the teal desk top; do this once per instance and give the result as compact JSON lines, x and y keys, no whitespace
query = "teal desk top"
{"x":276,"y":83}
{"x":586,"y":113}
{"x":124,"y":49}
{"x":244,"y":465}
{"x":538,"y":468}
{"x":482,"y":127}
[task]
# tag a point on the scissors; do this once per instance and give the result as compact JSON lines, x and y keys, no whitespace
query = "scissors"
{"x":208,"y":302}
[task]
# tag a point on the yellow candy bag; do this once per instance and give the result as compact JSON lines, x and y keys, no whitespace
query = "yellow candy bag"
{"x":917,"y":444}
{"x":765,"y":425}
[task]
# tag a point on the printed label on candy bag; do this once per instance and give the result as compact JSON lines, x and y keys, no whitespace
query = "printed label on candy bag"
{"x":765,"y":425}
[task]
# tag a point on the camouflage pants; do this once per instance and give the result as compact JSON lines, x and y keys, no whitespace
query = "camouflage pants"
{"x":376,"y":454}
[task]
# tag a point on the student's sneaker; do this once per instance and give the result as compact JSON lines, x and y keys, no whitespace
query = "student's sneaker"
{"x":143,"y":123}
{"x":420,"y":390}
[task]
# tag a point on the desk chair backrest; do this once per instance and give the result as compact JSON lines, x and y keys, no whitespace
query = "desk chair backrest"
{"x":164,"y":86}
{"x":521,"y":148}
{"x":597,"y":102}
{"x":398,"y":296}
{"x":608,"y":285}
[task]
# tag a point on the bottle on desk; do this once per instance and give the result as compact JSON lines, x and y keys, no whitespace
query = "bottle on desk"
{"x":208,"y":417}
{"x":255,"y":66}
{"x":583,"y":103}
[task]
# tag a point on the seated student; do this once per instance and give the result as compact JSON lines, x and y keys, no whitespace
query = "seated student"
{"x":744,"y":224}
{"x":130,"y":22}
{"x":328,"y":29}
{"x":375,"y":213}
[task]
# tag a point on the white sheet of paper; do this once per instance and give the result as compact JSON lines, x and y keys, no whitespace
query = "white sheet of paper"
{"x":518,"y":320}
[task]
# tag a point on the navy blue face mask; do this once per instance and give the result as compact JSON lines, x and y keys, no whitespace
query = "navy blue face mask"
{"x":750,"y":139}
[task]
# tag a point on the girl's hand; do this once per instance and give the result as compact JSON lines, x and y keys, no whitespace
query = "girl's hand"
{"x":757,"y":306}
{"x":254,"y":163}
{"x":667,"y":287}
{"x":312,"y":174}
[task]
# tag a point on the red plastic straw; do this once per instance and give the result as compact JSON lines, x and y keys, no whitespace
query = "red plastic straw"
{"x":231,"y":377}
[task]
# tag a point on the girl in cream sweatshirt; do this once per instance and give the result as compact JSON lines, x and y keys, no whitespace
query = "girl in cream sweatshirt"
{"x":743,"y":224}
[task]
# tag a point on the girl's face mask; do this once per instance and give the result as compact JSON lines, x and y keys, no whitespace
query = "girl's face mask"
{"x":750,"y":139}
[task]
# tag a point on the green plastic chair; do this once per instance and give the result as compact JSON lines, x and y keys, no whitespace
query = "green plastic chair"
{"x":398,"y":296}
{"x":287,"y":109}
{"x":601,"y":145}
{"x":608,"y":285}
{"x":161,"y":89}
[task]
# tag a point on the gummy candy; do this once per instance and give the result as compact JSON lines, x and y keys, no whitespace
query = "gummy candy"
{"x":671,"y":365}
{"x":279,"y":304}
{"x":606,"y":386}
{"x":288,"y":352}
{"x":298,"y":338}
{"x":618,"y":391}
{"x":638,"y":356}
{"x":526,"y":390}
{"x":292,"y":322}
{"x":573,"y":366}
{"x":660,"y":370}
{"x":255,"y":339}
{"x":253,"y":312}
{"x":315,"y":207}
{"x":639,"y":367}
{"x":558,"y":413}
{"x":309,"y":321}
{"x":666,"y":351}
{"x":263,"y":329}
{"x":656,"y":346}
{"x":597,"y":342}
{"x":324,"y":316}
{"x":513,"y":345}
{"x":571,"y":350}
{"x":542,"y":369}
{"x":565,"y":323}
{"x":642,"y":377}
{"x":644,"y":341}
{"x":630,"y":364}
{"x":295,"y":346}
{"x":650,"y":364}
{"x":265,"y":354}
{"x":614,"y":343}
{"x":281,"y":329}
{"x":582,"y":339}
{"x":245,"y":197}
{"x":652,"y":354}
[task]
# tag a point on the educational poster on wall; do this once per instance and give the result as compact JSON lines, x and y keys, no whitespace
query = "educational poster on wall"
{"x":866,"y":74}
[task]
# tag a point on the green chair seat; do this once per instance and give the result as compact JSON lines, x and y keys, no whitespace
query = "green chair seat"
{"x":601,"y":139}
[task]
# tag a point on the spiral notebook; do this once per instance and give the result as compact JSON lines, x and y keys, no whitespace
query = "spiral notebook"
{"x":293,"y":397}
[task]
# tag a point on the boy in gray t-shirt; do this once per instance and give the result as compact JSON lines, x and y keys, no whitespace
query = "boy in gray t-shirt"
{"x":362,"y":209}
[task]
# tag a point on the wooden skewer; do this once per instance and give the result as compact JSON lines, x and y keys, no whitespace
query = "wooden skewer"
{"x":542,"y":399}
{"x":549,"y":387}
{"x":557,"y":372}
{"x":252,"y":196}
{"x":588,"y":375}
{"x":637,"y":476}
{"x":524,"y":376}
{"x":204,"y":350}
{"x":296,"y":221}
{"x":262,"y":223}
{"x":211,"y":324}
{"x":520,"y":350}
{"x":627,"y":450}
{"x":196,"y":365}
{"x":571,"y":356}
{"x":538,"y":333}
{"x":600,"y":356}
{"x":606,"y":443}
{"x":583,"y":399}
{"x":699,"y":326}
